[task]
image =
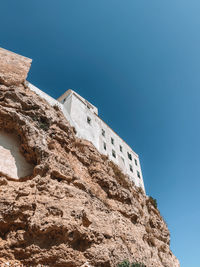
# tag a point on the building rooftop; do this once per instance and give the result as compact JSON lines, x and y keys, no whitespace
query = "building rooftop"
{"x":87,"y":103}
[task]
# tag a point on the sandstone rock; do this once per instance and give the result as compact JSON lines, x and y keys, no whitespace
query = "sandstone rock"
{"x":13,"y":68}
{"x":76,"y":208}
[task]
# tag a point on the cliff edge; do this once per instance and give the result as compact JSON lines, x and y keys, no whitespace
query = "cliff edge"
{"x":76,"y":208}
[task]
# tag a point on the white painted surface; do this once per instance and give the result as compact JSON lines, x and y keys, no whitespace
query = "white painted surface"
{"x":77,"y":110}
{"x":51,"y":101}
{"x":80,"y":110}
{"x":12,"y":162}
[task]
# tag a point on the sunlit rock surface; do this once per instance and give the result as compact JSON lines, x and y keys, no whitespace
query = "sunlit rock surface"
{"x":77,"y":208}
{"x":12,"y":162}
{"x":13,"y":68}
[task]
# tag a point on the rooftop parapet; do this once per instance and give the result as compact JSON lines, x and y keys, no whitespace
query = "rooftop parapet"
{"x":13,"y":68}
{"x":69,"y":92}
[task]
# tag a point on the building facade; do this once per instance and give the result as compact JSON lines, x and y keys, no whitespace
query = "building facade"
{"x":84,"y":117}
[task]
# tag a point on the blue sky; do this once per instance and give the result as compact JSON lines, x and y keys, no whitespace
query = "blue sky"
{"x":138,"y":61}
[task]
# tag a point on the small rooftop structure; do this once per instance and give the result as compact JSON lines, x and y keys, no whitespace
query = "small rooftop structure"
{"x":69,"y":92}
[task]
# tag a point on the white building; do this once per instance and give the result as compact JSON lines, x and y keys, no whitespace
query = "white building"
{"x":84,"y":117}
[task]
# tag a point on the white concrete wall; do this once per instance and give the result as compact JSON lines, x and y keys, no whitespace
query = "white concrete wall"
{"x":12,"y":162}
{"x":43,"y":95}
{"x":51,"y":101}
{"x":76,"y":110}
{"x":79,"y":114}
{"x":79,"y":111}
{"x":121,"y":156}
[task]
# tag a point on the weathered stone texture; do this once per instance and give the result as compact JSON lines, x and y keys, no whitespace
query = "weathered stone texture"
{"x":13,"y":68}
{"x":12,"y":162}
{"x":77,"y":208}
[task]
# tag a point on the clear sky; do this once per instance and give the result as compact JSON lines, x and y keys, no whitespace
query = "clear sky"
{"x":138,"y":61}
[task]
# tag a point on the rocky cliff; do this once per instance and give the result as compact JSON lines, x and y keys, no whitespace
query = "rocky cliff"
{"x":76,"y":208}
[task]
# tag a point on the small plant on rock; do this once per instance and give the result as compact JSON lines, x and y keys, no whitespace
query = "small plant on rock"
{"x":43,"y":123}
{"x":153,"y":202}
{"x":56,"y":107}
{"x":125,"y":263}
{"x":44,"y":126}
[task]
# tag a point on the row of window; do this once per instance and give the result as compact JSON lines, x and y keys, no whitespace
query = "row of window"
{"x":130,"y":166}
{"x":129,"y":155}
{"x":120,"y":148}
{"x":112,"y":141}
{"x":131,"y":169}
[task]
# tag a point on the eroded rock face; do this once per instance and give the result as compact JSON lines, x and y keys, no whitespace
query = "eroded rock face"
{"x":77,"y":209}
{"x":13,"y":68}
{"x":12,"y":162}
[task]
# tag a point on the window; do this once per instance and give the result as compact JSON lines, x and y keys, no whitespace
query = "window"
{"x":112,"y":141}
{"x":87,"y":104}
{"x":103,"y":132}
{"x":138,"y":174}
{"x":129,"y":155}
{"x":131,"y":168}
{"x":104,"y":145}
{"x":89,"y":120}
{"x":136,"y":162}
{"x":113,"y":153}
{"x":123,"y":160}
{"x":120,"y":147}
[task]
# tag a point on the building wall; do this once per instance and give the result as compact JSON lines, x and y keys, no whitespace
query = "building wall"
{"x":51,"y":101}
{"x":121,"y":156}
{"x":91,"y":130}
{"x":78,"y":111}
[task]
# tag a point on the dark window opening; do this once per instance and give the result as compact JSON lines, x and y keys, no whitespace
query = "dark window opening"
{"x":138,"y":174}
{"x":131,"y":168}
{"x":88,"y":104}
{"x":129,"y":155}
{"x":89,"y":120}
{"x":104,"y":145}
{"x":112,"y":141}
{"x":136,"y":162}
{"x":121,"y":149}
{"x":103,"y":132}
{"x":113,"y":153}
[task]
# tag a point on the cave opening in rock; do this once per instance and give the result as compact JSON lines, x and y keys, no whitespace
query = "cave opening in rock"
{"x":12,"y":163}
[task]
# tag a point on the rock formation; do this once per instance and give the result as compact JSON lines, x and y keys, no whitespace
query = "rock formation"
{"x":13,"y":68}
{"x":76,"y":208}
